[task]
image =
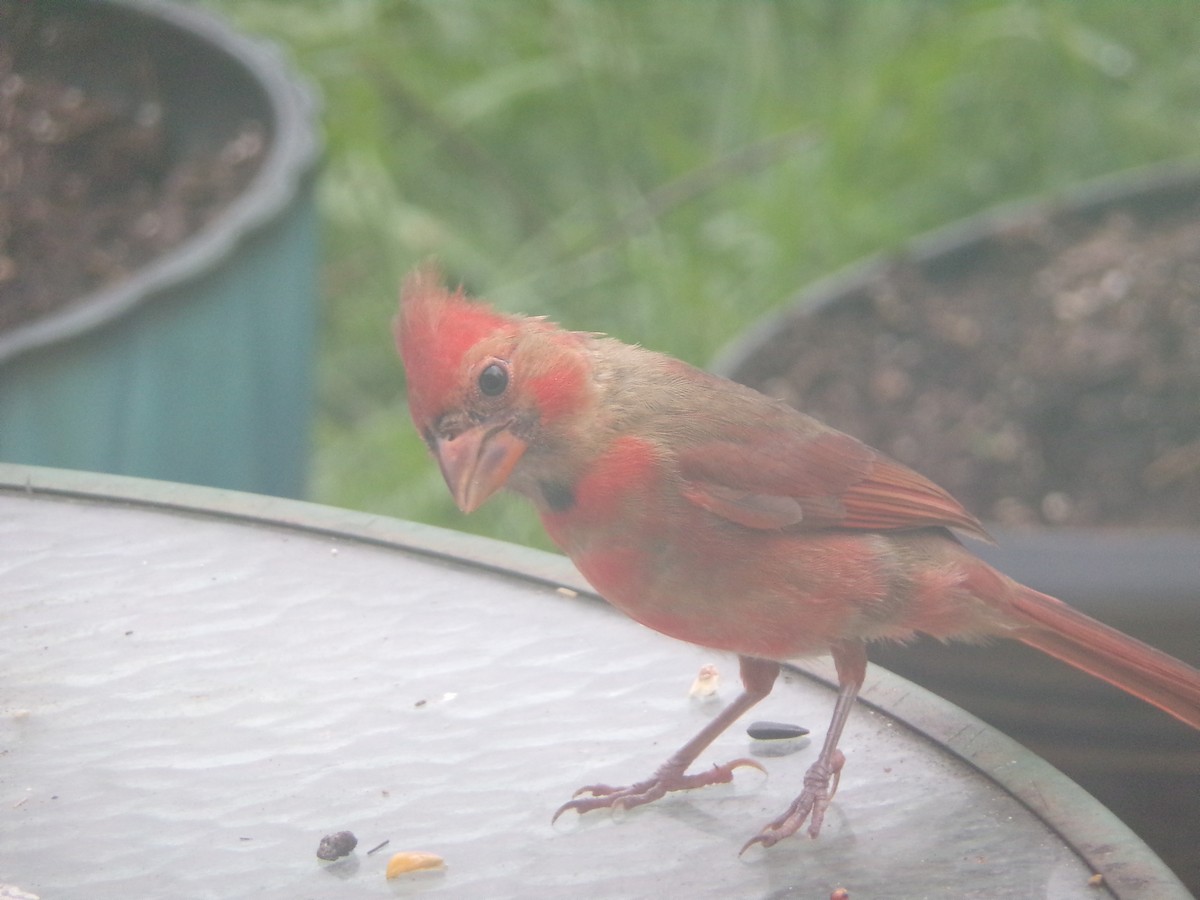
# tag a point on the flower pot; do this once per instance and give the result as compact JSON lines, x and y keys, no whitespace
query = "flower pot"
{"x":197,"y":366}
{"x":945,"y":304}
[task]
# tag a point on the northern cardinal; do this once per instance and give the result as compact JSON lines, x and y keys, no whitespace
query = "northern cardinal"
{"x":714,"y":514}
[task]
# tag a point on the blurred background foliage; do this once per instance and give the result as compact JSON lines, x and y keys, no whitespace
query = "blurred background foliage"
{"x":668,"y":172}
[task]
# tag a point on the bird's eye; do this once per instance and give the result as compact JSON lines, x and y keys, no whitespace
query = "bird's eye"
{"x":493,"y":380}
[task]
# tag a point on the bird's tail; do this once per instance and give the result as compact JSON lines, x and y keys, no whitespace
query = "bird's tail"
{"x":1079,"y":640}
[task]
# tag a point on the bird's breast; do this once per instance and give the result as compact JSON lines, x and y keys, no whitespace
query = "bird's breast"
{"x":683,"y":571}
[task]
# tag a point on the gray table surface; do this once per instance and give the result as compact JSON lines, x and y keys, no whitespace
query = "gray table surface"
{"x":196,"y":685}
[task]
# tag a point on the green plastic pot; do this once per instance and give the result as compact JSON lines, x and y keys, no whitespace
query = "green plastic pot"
{"x":199,"y":367}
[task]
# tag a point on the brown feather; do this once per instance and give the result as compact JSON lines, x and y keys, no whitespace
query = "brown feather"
{"x":784,"y":479}
{"x":894,"y":496}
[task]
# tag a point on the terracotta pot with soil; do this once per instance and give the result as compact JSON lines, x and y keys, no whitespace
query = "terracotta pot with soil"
{"x":157,"y":246}
{"x":1042,"y":362}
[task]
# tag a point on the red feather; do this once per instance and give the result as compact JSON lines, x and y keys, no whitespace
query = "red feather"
{"x":434,"y":332}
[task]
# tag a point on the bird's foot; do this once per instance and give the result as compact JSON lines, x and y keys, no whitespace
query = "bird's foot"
{"x":820,"y":784}
{"x":669,"y":777}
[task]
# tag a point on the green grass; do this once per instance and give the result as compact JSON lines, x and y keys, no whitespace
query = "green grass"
{"x":670,"y":171}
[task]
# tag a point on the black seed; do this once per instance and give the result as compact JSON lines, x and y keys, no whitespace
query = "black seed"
{"x":336,"y":845}
{"x":775,"y":731}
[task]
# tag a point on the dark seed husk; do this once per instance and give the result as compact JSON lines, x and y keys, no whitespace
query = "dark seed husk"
{"x":336,"y":845}
{"x":775,"y":731}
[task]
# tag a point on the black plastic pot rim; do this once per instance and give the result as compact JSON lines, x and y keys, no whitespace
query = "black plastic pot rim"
{"x":292,"y":156}
{"x":951,"y":238}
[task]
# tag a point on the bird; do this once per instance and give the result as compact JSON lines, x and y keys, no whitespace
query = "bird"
{"x":716,"y":515}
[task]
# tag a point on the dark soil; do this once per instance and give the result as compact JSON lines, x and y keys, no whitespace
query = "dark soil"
{"x":1052,"y":377}
{"x":90,"y":185}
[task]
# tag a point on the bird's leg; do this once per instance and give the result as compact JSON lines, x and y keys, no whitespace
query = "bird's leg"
{"x":758,"y":677}
{"x":821,"y":779}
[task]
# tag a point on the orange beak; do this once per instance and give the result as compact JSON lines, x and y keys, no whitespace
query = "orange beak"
{"x":477,"y":462}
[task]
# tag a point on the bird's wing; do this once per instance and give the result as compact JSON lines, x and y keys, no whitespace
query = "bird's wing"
{"x":778,"y":476}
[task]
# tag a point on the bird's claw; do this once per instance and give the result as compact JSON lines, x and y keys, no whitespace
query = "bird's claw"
{"x":665,"y":780}
{"x":820,"y":784}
